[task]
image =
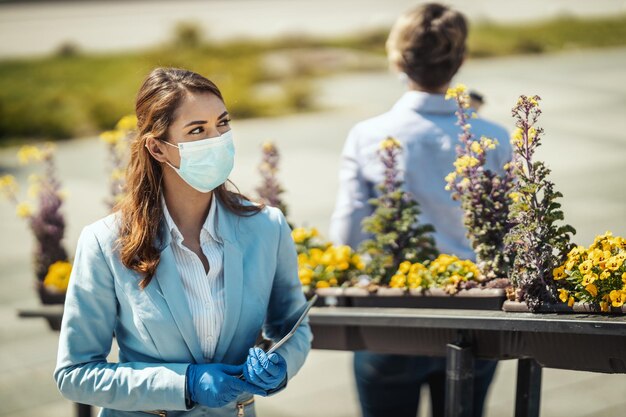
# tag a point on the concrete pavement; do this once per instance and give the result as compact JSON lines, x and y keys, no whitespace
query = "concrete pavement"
{"x":39,"y":28}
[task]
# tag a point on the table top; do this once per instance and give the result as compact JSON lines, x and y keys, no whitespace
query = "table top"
{"x":439,"y":318}
{"x":470,"y":319}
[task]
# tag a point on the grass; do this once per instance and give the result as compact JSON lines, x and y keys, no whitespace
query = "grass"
{"x":73,"y":94}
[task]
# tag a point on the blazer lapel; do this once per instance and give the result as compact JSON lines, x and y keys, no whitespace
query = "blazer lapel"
{"x":233,"y":280}
{"x":169,"y":280}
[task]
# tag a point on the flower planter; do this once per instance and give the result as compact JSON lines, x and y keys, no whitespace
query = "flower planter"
{"x":331,"y":297}
{"x":520,"y":307}
{"x":472,"y":299}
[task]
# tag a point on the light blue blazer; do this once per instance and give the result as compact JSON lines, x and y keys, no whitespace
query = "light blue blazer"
{"x":154,"y":328}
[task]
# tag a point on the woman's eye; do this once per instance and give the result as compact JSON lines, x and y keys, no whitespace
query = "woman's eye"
{"x":196,"y":131}
{"x":224,"y":122}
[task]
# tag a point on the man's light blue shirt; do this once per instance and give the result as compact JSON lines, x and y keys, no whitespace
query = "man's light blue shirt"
{"x":425,"y":125}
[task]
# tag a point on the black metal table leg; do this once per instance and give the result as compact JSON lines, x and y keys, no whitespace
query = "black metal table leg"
{"x":459,"y":381}
{"x":528,"y":391}
{"x":83,"y":410}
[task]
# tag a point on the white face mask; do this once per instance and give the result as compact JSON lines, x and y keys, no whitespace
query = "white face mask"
{"x":206,"y":164}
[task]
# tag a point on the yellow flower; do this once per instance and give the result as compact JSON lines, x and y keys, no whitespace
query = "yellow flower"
{"x":576,"y":251}
{"x":599,"y":257}
{"x":532,"y":134}
{"x":315,"y":255}
{"x":30,"y":153}
{"x":585,"y":267}
{"x":404,"y":267}
{"x":390,"y":143}
{"x":328,"y":258}
{"x":305,"y":274}
{"x":624,"y":278}
{"x":303,"y":259}
{"x":128,"y":122}
{"x":476,"y":148}
{"x":343,"y":253}
{"x":414,"y":279}
{"x":464,"y":162}
{"x":357,"y":262}
{"x":604,"y":306}
{"x":397,"y":281}
{"x":458,"y":90}
{"x":570,"y":264}
{"x":563,"y":295}
{"x":117,"y":174}
{"x":592,"y":289}
{"x":618,"y":297}
{"x":416,"y":267}
{"x":58,"y":275}
{"x":489,"y":143}
{"x":24,"y":210}
{"x":559,"y":273}
{"x":322,"y":284}
{"x":514,"y":196}
{"x":268,"y":146}
{"x":450,"y":177}
{"x":342,"y":266}
{"x":299,"y":234}
{"x":8,"y":186}
{"x":589,"y":278}
{"x":614,"y":263}
{"x":605,"y":274}
{"x":570,"y":302}
{"x":64,"y":193}
{"x":517,"y":137}
{"x":112,"y":137}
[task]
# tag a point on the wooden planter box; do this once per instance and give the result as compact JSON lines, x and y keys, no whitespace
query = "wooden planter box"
{"x":577,"y":308}
{"x":473,"y":299}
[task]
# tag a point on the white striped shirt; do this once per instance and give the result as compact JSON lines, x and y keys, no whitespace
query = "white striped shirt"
{"x":205,"y":292}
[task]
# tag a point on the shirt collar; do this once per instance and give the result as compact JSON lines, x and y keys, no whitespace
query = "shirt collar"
{"x":423,"y":102}
{"x":209,"y":226}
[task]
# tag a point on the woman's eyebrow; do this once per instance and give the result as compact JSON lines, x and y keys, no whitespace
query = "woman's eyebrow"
{"x":201,"y":122}
{"x":195,"y":122}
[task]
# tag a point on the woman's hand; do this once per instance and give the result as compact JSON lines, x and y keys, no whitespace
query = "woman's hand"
{"x":265,"y":371}
{"x":216,"y":384}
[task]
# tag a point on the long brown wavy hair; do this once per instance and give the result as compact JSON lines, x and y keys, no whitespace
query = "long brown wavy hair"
{"x":140,"y":209}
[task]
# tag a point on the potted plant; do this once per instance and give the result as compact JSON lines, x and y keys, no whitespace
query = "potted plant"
{"x":537,"y":238}
{"x":396,"y":233}
{"x":52,"y":267}
{"x":593,"y":279}
{"x":483,"y":195}
{"x":117,"y":141}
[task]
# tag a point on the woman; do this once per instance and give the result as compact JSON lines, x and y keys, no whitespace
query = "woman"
{"x":427,"y":45}
{"x":185,"y":273}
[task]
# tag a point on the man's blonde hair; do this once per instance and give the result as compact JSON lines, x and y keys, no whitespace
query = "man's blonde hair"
{"x":428,"y":44}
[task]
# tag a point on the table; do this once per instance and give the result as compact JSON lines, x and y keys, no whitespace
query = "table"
{"x":537,"y":340}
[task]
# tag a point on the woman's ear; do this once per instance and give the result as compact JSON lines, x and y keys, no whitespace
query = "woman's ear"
{"x":154,"y":146}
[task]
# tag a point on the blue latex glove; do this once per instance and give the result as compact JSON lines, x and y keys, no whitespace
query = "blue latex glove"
{"x":216,"y":384}
{"x":264,"y":371}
